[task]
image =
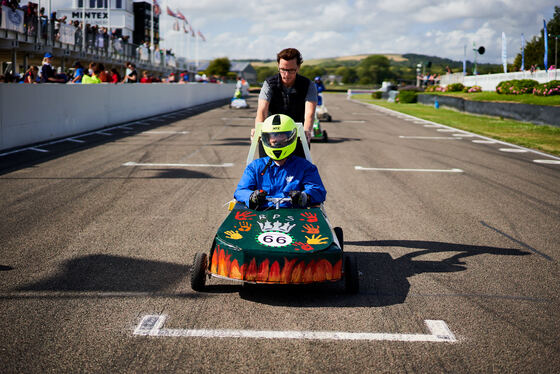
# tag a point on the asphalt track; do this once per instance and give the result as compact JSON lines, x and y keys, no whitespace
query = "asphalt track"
{"x":98,"y":233}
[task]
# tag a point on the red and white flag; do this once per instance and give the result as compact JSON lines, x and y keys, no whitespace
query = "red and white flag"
{"x":201,"y":36}
{"x":181,"y":16}
{"x":171,"y":13}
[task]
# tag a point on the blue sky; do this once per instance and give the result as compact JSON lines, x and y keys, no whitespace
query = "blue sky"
{"x":331,"y":28}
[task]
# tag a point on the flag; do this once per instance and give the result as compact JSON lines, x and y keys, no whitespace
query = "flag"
{"x":504,"y":51}
{"x":181,"y":16}
{"x":522,"y":52}
{"x":176,"y":26}
{"x":170,"y":12}
{"x":201,"y":36}
{"x":192,"y":31}
{"x":185,"y":29}
{"x":545,"y":47}
{"x":157,"y":9}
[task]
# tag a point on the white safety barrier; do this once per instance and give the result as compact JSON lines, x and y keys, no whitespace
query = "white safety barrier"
{"x":488,"y":82}
{"x":32,"y":113}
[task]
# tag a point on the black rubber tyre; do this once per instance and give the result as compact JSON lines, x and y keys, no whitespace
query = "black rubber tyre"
{"x":198,"y":271}
{"x":329,"y":118}
{"x":351,"y":275}
{"x":340,"y":236}
{"x":325,"y":137}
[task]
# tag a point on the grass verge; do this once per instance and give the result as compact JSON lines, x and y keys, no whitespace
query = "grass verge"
{"x":542,"y":137}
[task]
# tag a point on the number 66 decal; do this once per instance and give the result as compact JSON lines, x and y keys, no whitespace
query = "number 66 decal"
{"x":274,"y":239}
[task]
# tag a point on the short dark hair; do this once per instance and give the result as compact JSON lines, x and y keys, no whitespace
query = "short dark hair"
{"x":289,"y":54}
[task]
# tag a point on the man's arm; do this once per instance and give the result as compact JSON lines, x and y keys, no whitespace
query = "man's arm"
{"x":262,"y":111}
{"x":309,"y":118}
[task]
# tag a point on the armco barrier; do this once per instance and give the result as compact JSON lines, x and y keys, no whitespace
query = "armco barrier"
{"x":538,"y":114}
{"x":36,"y":113}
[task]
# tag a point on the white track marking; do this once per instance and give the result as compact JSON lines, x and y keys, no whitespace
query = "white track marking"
{"x":392,"y":112}
{"x":514,"y":150}
{"x":430,"y":137}
{"x":226,"y":165}
{"x":465,"y":135}
{"x":152,"y":325}
{"x":432,"y":126}
{"x":38,"y":150}
{"x":553,"y":162}
{"x":165,"y":132}
{"x":354,"y":121}
{"x":446,"y":130}
{"x":414,"y":170}
{"x":75,"y":140}
{"x":485,"y":141}
{"x":104,"y":133}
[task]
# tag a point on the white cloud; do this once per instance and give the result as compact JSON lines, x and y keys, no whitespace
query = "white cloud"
{"x":329,"y":28}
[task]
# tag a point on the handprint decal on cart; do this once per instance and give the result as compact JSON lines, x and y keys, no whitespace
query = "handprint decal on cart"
{"x":233,"y":235}
{"x":309,"y":217}
{"x":310,"y":229}
{"x":244,"y":226}
{"x":303,"y":246}
{"x":316,"y":239}
{"x":244,"y":215}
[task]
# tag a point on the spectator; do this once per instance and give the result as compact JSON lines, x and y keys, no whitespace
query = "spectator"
{"x":145,"y":77}
{"x":92,"y":78}
{"x":103,"y":75}
{"x":171,"y":78}
{"x":78,"y":72}
{"x":115,"y":76}
{"x":132,"y":74}
{"x":31,"y":75}
{"x":47,"y":71}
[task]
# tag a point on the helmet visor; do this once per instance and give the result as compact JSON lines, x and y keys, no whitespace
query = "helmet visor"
{"x":279,"y":139}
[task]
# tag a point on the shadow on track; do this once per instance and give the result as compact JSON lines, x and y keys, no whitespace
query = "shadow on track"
{"x":384,"y":280}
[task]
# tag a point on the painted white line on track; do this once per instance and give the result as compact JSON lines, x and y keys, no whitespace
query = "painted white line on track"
{"x":104,"y":133}
{"x":152,"y":325}
{"x":413,"y":170}
{"x":513,"y":150}
{"x":392,"y":112}
{"x":38,"y":150}
{"x":446,"y":130}
{"x":552,"y":162}
{"x":432,"y":126}
{"x":165,"y":132}
{"x":357,"y":121}
{"x":465,"y":135}
{"x":75,"y":140}
{"x":484,"y":141}
{"x":430,"y":137}
{"x":226,"y":165}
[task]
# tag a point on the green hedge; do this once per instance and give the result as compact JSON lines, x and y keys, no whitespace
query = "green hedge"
{"x":516,"y":86}
{"x":455,"y":87}
{"x":376,"y":95}
{"x":407,"y":97}
{"x":547,"y":89}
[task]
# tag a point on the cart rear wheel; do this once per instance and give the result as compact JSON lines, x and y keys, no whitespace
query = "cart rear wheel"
{"x":325,"y":137}
{"x":340,"y":236}
{"x":329,"y":118}
{"x":351,"y":275}
{"x":198,"y":271}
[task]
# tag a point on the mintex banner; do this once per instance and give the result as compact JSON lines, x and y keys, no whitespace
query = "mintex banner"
{"x":12,"y":19}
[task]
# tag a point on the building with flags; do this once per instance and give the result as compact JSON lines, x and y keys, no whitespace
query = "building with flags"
{"x":143,"y":23}
{"x":95,"y":12}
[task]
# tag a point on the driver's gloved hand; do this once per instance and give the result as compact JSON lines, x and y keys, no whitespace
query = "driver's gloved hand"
{"x":299,"y":199}
{"x":257,"y":199}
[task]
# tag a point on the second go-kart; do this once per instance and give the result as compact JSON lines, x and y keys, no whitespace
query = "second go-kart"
{"x":322,"y":112}
{"x":282,"y":246}
{"x":318,"y":133}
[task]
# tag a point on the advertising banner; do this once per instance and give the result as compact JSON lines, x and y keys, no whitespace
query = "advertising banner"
{"x":12,"y":19}
{"x":67,"y":33}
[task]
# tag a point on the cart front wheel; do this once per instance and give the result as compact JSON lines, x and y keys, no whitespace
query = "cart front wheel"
{"x":339,"y":236}
{"x":351,"y":275}
{"x":198,"y":271}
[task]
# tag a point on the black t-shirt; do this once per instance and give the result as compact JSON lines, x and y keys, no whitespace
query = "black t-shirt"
{"x":46,"y":73}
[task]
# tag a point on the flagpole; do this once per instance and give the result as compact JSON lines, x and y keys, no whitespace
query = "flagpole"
{"x":83,"y":26}
{"x":188,"y":49}
{"x":152,"y":35}
{"x":196,"y":51}
{"x":109,"y":26}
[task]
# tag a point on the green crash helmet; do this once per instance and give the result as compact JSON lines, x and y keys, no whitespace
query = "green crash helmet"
{"x":279,"y":136}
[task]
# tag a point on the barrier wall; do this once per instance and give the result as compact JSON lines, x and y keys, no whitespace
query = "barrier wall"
{"x":488,"y":82}
{"x":40,"y":112}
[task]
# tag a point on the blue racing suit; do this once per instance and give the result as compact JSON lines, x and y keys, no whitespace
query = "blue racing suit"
{"x":297,"y":174}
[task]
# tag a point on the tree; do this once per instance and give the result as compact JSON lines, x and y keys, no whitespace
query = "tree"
{"x":534,"y":49}
{"x":374,"y":69}
{"x":348,"y":75}
{"x":264,"y":72}
{"x":219,"y":66}
{"x":311,"y":71}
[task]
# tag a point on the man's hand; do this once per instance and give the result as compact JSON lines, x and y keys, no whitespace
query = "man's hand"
{"x":308,"y":136}
{"x":257,"y":199}
{"x":299,"y":199}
